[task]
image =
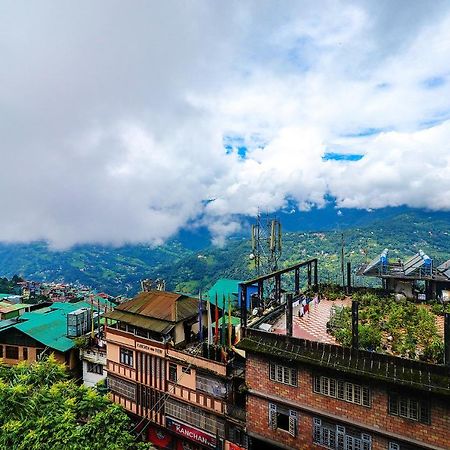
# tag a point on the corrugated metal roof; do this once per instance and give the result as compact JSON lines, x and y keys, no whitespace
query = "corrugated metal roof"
{"x":161,"y":305}
{"x":159,"y":326}
{"x":49,"y":325}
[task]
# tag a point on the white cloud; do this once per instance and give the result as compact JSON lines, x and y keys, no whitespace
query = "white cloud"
{"x":114,"y":116}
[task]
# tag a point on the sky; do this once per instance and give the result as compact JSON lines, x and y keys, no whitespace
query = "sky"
{"x":124,"y":122}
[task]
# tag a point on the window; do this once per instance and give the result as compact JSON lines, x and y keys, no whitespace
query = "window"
{"x":343,"y":390}
{"x":211,"y":385}
{"x":123,"y":388}
{"x":1,"y":351}
{"x":397,"y":446}
{"x":281,"y":418}
{"x":194,"y":416}
{"x":283,"y":374}
{"x":338,"y":437}
{"x":173,"y":372}
{"x":186,"y":370}
{"x":409,"y":408}
{"x":12,"y":352}
{"x":25,"y":353}
{"x":95,"y":368}
{"x":126,"y":357}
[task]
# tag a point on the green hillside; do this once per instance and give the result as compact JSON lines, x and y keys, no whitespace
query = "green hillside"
{"x":118,"y":270}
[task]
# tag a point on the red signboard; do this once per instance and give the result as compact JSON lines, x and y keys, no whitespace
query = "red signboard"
{"x":191,"y":433}
{"x":159,"y":437}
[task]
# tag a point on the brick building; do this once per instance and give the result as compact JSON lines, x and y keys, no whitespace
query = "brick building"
{"x":307,"y":394}
{"x":182,"y":392}
{"x":304,"y":394}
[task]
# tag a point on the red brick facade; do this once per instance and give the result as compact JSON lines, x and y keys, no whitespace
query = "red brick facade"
{"x":375,"y":420}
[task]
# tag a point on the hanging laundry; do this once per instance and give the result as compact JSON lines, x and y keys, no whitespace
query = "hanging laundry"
{"x":301,"y":311}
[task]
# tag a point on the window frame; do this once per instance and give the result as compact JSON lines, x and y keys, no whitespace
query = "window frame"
{"x":172,"y":373}
{"x":409,"y":408}
{"x":347,"y":391}
{"x":126,"y":357}
{"x":275,"y":411}
{"x":15,"y":352}
{"x":96,"y":368}
{"x":283,"y":374}
{"x":333,"y":436}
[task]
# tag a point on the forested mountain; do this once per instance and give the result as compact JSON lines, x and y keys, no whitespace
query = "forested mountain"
{"x":118,"y":270}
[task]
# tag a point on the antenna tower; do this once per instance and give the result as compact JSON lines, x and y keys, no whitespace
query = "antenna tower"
{"x":266,"y":244}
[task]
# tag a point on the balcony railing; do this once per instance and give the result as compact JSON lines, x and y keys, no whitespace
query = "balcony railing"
{"x":94,"y":355}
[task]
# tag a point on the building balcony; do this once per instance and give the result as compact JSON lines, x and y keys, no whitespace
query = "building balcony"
{"x":196,"y":397}
{"x":94,"y":355}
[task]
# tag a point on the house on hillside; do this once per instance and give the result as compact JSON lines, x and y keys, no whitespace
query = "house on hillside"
{"x":40,"y":332}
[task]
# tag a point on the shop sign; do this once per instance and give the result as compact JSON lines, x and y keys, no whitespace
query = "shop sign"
{"x":191,"y":433}
{"x":148,"y":348}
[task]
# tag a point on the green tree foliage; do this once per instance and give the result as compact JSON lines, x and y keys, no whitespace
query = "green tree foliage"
{"x":40,"y":408}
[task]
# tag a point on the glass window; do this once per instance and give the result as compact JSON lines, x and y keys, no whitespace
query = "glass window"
{"x":126,"y":357}
{"x":95,"y":368}
{"x":122,"y":388}
{"x":409,"y":408}
{"x":343,"y":390}
{"x":173,"y":372}
{"x":283,"y":374}
{"x":12,"y":352}
{"x":338,"y":437}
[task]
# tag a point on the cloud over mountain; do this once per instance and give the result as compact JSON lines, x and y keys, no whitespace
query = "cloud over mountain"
{"x":115,"y":117}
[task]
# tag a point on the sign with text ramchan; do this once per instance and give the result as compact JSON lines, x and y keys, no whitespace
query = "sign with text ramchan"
{"x":191,"y":433}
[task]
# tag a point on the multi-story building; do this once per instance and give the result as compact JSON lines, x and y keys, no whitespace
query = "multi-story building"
{"x":93,"y":360}
{"x":183,"y":393}
{"x":306,"y":395}
{"x":306,"y":392}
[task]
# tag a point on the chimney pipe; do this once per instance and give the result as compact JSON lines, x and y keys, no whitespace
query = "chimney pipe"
{"x":355,"y":336}
{"x":289,"y":315}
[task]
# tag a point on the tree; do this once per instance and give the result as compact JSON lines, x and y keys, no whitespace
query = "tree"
{"x":40,"y":409}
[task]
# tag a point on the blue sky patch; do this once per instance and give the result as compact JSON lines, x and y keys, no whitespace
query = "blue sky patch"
{"x":341,"y":156}
{"x":434,"y":82}
{"x":365,"y":132}
{"x":235,"y":143}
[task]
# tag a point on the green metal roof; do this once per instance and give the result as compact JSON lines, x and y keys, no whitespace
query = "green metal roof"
{"x":224,"y":287}
{"x":49,"y":325}
{"x":234,"y":321}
